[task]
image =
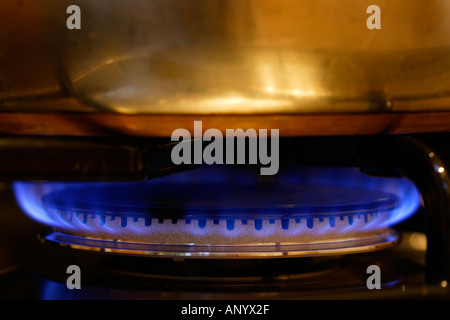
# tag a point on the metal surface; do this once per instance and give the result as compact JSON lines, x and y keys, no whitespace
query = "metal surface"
{"x":85,"y":159}
{"x":406,"y":156}
{"x":378,"y":241}
{"x":149,"y":125}
{"x":225,"y":57}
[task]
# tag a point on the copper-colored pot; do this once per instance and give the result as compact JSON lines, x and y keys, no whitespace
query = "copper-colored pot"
{"x":278,"y":61}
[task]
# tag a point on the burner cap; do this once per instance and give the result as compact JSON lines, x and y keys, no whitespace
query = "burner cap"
{"x":209,"y":201}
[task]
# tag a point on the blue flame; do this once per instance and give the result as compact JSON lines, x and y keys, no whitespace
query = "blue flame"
{"x":409,"y":198}
{"x":212,"y":202}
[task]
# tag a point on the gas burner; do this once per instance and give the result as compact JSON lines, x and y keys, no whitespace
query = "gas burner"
{"x":377,"y":241}
{"x":212,"y":213}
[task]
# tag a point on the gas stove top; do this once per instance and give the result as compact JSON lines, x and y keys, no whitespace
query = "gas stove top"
{"x":217,"y":233}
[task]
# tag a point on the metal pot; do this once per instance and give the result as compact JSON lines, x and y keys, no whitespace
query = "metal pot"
{"x":225,"y":57}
